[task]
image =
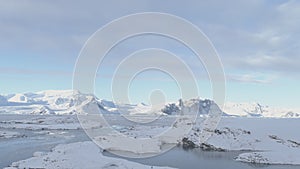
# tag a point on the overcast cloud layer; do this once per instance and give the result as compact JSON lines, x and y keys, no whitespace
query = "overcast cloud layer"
{"x":257,"y":40}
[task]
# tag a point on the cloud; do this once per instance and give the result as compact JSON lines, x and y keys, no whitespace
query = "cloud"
{"x":269,"y":45}
{"x":254,"y":78}
{"x":251,"y":36}
{"x":268,"y":63}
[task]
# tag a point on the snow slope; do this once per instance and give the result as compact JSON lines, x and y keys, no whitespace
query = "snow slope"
{"x":20,"y":98}
{"x":259,"y":110}
{"x":81,"y":155}
{"x":278,"y":137}
{"x":271,"y":140}
{"x":65,"y":102}
{"x":290,"y":156}
{"x":45,"y":102}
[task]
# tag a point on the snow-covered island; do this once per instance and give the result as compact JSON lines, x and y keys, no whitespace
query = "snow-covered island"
{"x":268,"y":135}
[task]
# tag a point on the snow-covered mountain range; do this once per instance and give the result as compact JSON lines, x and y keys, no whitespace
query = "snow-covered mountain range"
{"x":259,"y":110}
{"x":66,"y":102}
{"x":44,"y":102}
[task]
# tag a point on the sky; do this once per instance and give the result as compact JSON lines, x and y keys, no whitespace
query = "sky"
{"x":257,"y":42}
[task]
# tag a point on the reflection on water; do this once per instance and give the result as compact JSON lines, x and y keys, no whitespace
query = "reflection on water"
{"x":16,"y":149}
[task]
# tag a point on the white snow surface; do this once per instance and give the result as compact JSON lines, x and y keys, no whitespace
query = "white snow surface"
{"x":272,"y":140}
{"x":290,"y":157}
{"x":80,"y":155}
{"x":244,"y":127}
{"x":46,"y":102}
{"x":259,"y":110}
{"x":20,"y":98}
{"x":65,"y":101}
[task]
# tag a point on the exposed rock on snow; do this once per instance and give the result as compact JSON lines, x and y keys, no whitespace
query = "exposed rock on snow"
{"x":43,"y":110}
{"x":170,"y":109}
{"x":271,"y":135}
{"x":291,"y":115}
{"x":209,"y":147}
{"x":65,"y":101}
{"x":188,"y":144}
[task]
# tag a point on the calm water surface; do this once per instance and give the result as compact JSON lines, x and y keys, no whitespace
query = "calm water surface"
{"x":16,"y":149}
